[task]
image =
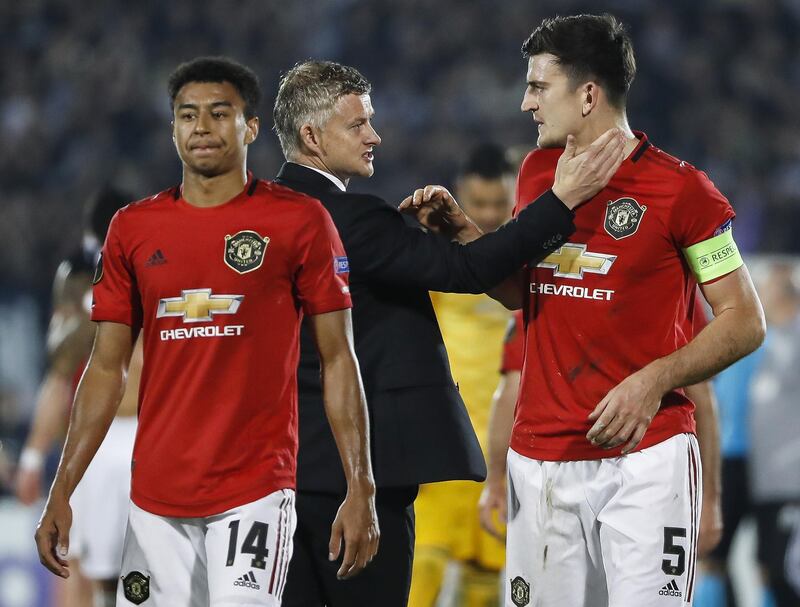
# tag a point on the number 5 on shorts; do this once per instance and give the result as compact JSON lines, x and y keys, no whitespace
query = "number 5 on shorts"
{"x":671,"y":548}
{"x":255,"y":543}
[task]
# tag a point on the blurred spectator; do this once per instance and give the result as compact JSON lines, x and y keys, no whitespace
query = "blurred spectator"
{"x":774,"y":423}
{"x":732,"y":387}
{"x":82,"y":92}
{"x":793,"y":559}
{"x":95,"y":533}
{"x":448,"y":529}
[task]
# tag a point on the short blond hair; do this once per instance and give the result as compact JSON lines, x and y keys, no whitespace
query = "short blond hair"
{"x":307,"y":94}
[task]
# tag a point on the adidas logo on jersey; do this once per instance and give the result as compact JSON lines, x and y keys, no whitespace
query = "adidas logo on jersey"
{"x":248,"y":580}
{"x":670,"y":589}
{"x":156,"y":259}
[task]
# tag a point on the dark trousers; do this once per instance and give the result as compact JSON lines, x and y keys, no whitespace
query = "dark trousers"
{"x":775,"y":523}
{"x":385,"y":581}
{"x":736,"y":506}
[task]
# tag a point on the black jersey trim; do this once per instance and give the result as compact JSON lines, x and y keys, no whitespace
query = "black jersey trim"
{"x":252,"y":187}
{"x":176,"y":192}
{"x":640,"y":151}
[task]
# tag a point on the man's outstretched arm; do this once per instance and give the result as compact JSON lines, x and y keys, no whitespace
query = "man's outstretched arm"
{"x":578,"y":178}
{"x":345,"y":405}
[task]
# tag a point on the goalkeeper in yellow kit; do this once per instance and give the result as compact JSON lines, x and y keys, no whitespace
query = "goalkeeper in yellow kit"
{"x":473,"y":326}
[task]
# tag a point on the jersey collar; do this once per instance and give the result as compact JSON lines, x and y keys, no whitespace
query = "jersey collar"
{"x":248,"y":190}
{"x":640,"y":148}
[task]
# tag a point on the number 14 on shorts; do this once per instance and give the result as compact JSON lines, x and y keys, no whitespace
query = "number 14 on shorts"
{"x":255,"y":543}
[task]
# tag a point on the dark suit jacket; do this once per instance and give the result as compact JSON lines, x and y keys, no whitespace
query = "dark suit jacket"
{"x":420,"y":430}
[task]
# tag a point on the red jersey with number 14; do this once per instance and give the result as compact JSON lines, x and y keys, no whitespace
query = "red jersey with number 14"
{"x":219,"y":293}
{"x":612,"y":299}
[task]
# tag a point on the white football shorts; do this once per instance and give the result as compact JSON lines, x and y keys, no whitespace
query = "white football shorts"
{"x":239,"y":557}
{"x":615,"y":532}
{"x":100,"y":504}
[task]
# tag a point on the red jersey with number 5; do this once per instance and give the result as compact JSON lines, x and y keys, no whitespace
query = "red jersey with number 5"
{"x":612,"y":299}
{"x":219,"y":293}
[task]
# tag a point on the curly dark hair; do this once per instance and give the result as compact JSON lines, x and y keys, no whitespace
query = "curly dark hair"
{"x":588,"y":47}
{"x":218,"y":69}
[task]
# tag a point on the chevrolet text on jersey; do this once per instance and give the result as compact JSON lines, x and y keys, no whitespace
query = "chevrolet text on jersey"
{"x":571,"y":291}
{"x":212,"y":331}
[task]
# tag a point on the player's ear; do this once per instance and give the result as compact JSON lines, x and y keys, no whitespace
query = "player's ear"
{"x":309,"y":138}
{"x":172,"y":128}
{"x":252,"y":130}
{"x":591,"y":93}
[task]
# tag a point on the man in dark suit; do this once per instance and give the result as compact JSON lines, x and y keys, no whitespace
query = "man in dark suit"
{"x":420,"y":431}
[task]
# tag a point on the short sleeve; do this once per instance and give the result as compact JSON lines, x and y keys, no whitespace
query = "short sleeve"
{"x":700,"y":212}
{"x":514,"y":346}
{"x":115,"y":295}
{"x":322,"y":280}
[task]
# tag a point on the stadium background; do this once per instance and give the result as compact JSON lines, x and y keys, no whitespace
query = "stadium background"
{"x":83,"y":103}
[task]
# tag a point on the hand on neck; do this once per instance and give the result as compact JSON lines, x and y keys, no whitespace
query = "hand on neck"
{"x":598,"y":126}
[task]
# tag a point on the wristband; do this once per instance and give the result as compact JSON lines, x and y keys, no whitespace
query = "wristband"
{"x":31,"y":459}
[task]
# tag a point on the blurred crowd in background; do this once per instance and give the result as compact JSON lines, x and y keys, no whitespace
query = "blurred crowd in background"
{"x":83,"y":99}
{"x":83,"y":104}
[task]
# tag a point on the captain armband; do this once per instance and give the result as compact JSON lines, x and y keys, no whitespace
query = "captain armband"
{"x":714,"y":257}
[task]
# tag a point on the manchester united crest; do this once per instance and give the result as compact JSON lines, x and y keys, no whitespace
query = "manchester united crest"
{"x":137,"y":587}
{"x":244,"y":251}
{"x":623,"y":217}
{"x":520,"y":592}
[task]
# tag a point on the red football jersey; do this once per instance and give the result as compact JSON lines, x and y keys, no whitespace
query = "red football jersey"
{"x":514,"y":346}
{"x":612,"y":299}
{"x":219,"y":293}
